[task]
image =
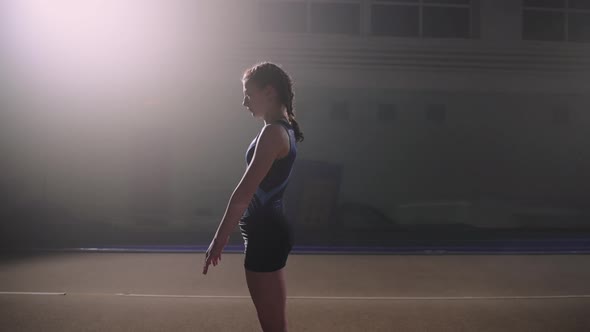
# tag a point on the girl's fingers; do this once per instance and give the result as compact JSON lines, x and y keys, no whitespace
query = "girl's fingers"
{"x":207,"y":262}
{"x":209,"y":259}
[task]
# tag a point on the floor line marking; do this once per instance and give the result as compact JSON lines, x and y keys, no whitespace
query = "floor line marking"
{"x":370,"y":298}
{"x":31,"y":293}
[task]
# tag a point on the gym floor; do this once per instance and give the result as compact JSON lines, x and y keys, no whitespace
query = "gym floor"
{"x":147,"y":291}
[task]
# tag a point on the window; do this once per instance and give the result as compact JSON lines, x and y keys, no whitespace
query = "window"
{"x":399,"y":21}
{"x":423,"y":18}
{"x":579,"y":4}
{"x":288,"y":16}
{"x":545,"y":3}
{"x":579,"y":27}
{"x":334,"y":17}
{"x":446,"y":22}
{"x":556,"y":20}
{"x":543,"y":25}
{"x":447,"y":2}
{"x":344,"y":18}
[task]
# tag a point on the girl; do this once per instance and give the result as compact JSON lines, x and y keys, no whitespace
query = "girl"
{"x":257,"y":203}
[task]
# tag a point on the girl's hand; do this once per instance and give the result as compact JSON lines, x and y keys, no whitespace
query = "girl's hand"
{"x":213,"y":254}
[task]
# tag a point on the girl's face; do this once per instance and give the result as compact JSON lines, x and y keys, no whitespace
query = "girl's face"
{"x":257,"y":100}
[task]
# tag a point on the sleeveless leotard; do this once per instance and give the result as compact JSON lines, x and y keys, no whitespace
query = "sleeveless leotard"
{"x":267,"y":232}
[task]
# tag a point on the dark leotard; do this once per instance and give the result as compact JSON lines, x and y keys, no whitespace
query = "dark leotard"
{"x":267,"y":231}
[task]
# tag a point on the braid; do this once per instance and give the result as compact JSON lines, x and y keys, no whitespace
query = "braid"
{"x":298,"y":134}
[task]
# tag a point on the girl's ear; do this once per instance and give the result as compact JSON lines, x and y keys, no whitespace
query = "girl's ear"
{"x":268,"y":91}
